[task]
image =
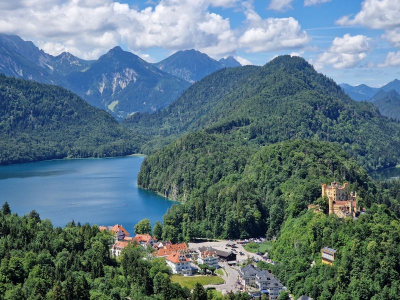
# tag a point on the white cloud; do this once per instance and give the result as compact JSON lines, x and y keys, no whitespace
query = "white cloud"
{"x":393,"y":36}
{"x":345,"y":52}
{"x":89,"y":28}
{"x":314,"y":2}
{"x":280,"y":5}
{"x":272,"y":33}
{"x":376,"y":14}
{"x":392,"y":60}
{"x":224,"y":3}
{"x":243,"y":61}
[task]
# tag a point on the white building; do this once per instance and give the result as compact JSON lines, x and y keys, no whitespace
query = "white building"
{"x":209,"y":258}
{"x":179,"y":264}
{"x":263,"y":280}
{"x":117,"y":248}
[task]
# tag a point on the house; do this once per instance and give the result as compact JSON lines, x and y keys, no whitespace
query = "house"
{"x":262,"y":280}
{"x":117,"y":248}
{"x":222,"y":255}
{"x":145,"y":240}
{"x":209,"y":258}
{"x":119,"y":231}
{"x":328,"y":255}
{"x":341,"y":202}
{"x":163,"y":252}
{"x":177,"y":247}
{"x":179,"y":264}
{"x":226,"y":255}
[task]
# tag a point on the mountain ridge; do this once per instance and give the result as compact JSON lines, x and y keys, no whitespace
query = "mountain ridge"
{"x":23,"y":59}
{"x":192,"y":65}
{"x":282,"y":100}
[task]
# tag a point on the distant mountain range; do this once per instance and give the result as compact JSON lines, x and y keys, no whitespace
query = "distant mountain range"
{"x":386,"y":98}
{"x":119,"y":81}
{"x":192,"y":65}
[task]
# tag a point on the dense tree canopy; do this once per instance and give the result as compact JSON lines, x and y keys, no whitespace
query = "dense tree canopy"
{"x":39,"y":121}
{"x":285,"y":99}
{"x":228,"y":193}
{"x":366,"y":264}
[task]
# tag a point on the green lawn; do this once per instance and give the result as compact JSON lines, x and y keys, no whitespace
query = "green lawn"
{"x":221,"y":272}
{"x":190,"y":281}
{"x":262,"y":247}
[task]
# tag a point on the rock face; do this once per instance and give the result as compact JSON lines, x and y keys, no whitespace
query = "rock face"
{"x":119,"y":81}
{"x":192,"y":65}
{"x":125,"y":84}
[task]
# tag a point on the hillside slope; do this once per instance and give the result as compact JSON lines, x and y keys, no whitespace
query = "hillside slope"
{"x":285,"y":99}
{"x":388,"y":103}
{"x":228,"y":192}
{"x":39,"y":121}
{"x":365,"y":265}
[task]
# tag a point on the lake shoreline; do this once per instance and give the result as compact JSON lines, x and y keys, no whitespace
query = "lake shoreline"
{"x":88,"y":190}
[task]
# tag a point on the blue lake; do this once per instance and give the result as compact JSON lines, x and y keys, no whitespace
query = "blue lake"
{"x":95,"y":191}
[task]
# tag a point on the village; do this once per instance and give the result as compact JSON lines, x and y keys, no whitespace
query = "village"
{"x":239,"y":266}
{"x":240,"y":272}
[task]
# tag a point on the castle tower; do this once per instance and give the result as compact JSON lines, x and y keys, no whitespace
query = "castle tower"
{"x":341,"y":202}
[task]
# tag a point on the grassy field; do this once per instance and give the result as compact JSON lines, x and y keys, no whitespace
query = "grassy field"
{"x":221,"y":272}
{"x":216,"y":294}
{"x":190,"y":281}
{"x":262,"y":247}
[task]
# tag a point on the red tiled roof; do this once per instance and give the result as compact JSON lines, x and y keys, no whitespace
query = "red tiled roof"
{"x":142,"y":238}
{"x":121,"y":244}
{"x":175,"y":258}
{"x":208,"y":253}
{"x":176,"y":247}
{"x":163,"y":252}
{"x":101,"y":228}
{"x":117,"y":227}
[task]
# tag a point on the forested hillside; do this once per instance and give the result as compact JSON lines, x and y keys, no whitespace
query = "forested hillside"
{"x":39,"y":261}
{"x":39,"y":122}
{"x":285,"y":99}
{"x":366,"y":264}
{"x":229,"y":193}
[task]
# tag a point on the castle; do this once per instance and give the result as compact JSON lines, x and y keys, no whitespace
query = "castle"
{"x":341,"y":202}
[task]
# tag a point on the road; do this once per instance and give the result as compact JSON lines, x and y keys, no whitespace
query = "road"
{"x":233,"y":274}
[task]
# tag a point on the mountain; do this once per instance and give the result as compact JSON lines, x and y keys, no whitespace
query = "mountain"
{"x":124,"y":83}
{"x":39,"y":121}
{"x":229,"y":62}
{"x":192,"y":65}
{"x":360,"y":92}
{"x":393,"y":85}
{"x":24,"y":60}
{"x":388,"y":103}
{"x":66,"y":63}
{"x":119,"y":81}
{"x":250,"y":135}
{"x":283,"y":100}
{"x":364,"y":92}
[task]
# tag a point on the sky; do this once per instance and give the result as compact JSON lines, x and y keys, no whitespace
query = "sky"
{"x":351,"y":41}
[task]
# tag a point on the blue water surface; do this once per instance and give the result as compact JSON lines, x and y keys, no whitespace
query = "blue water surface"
{"x":95,"y":191}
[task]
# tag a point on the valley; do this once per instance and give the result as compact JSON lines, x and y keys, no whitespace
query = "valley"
{"x":233,"y":152}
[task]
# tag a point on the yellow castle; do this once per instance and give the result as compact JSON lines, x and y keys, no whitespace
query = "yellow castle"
{"x":341,"y":202}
